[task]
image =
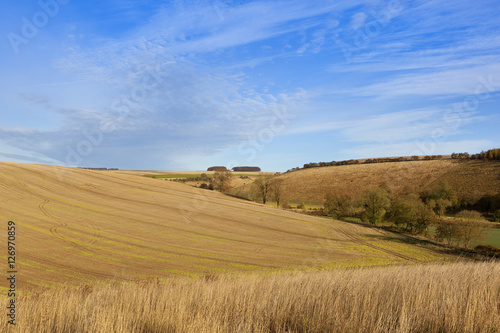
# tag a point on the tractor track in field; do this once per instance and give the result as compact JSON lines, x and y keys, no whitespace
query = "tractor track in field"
{"x":357,"y":240}
{"x":46,"y":212}
{"x":54,"y":263}
{"x":96,"y":235}
{"x":61,"y":225}
{"x":55,"y":230}
{"x":258,"y":249}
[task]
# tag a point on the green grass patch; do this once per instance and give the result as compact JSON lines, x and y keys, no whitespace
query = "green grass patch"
{"x":493,"y":238}
{"x":187,"y":176}
{"x":351,"y":219}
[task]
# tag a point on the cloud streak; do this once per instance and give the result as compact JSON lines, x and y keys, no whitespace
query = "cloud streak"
{"x":195,"y":77}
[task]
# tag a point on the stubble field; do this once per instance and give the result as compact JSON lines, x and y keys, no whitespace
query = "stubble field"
{"x":76,"y":226}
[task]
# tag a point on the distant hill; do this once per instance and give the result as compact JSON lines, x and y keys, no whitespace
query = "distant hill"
{"x":465,"y":177}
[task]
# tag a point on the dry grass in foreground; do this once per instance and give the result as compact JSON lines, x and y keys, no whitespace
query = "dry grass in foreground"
{"x":458,"y":297}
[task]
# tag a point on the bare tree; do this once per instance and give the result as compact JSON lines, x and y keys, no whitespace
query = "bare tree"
{"x":447,"y":231}
{"x":342,"y":204}
{"x":221,"y":181}
{"x":471,"y":226}
{"x":263,"y":187}
{"x":277,"y":190}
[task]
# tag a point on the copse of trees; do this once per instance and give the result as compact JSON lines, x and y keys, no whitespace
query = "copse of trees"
{"x":371,"y":206}
{"x":375,"y":201}
{"x":221,"y":181}
{"x":338,"y":205}
{"x":246,"y":169}
{"x":446,"y":231}
{"x":413,"y":213}
{"x":461,"y":156}
{"x":496,"y":216}
{"x":489,"y":155}
{"x":488,"y":202}
{"x":463,"y":229}
{"x":440,"y":198}
{"x":267,"y":187}
{"x":471,"y":224}
{"x":277,"y":190}
{"x":217,"y":168}
{"x":262,"y":187}
{"x":493,"y":154}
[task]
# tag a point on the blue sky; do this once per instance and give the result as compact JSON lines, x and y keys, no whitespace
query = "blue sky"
{"x":184,"y":85}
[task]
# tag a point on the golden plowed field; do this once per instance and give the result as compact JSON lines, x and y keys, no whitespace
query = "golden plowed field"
{"x":75,"y":226}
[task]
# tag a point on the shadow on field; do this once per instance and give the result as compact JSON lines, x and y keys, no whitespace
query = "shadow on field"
{"x":400,"y":240}
{"x":460,"y":253}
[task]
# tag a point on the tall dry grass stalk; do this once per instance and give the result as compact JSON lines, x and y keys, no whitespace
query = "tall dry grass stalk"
{"x":458,"y":297}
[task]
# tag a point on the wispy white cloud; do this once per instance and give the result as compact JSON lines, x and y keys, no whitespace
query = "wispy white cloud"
{"x":406,"y":126}
{"x":193,"y":102}
{"x":402,"y":126}
{"x":451,"y":82}
{"x":358,"y":20}
{"x":200,"y":109}
{"x":223,"y":67}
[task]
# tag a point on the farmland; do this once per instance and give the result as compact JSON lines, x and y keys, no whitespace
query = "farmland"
{"x":76,"y":226}
{"x":173,"y":176}
{"x":195,"y":260}
{"x":310,"y":186}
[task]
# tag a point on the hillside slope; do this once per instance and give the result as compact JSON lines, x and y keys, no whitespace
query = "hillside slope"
{"x":76,"y":225}
{"x":311,"y":185}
